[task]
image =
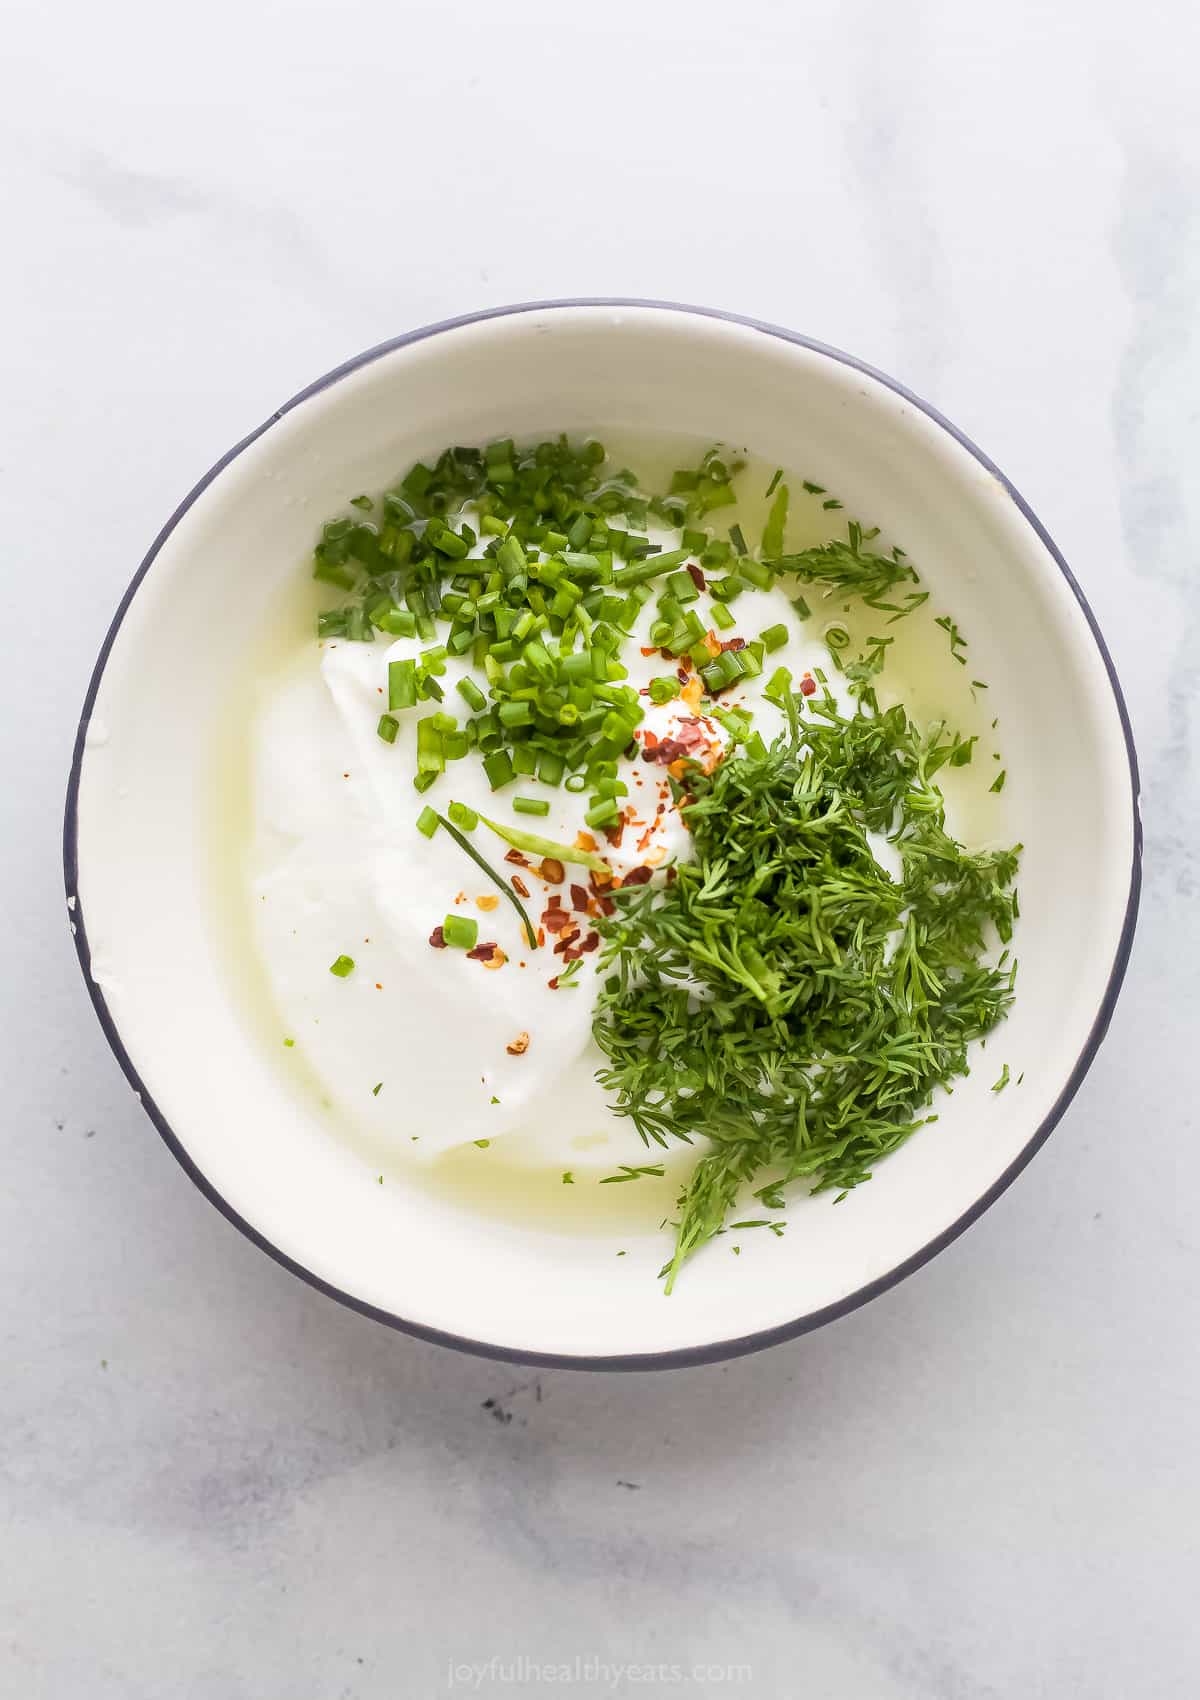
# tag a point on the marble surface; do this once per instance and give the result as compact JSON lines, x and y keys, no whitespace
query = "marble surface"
{"x":216,"y":1484}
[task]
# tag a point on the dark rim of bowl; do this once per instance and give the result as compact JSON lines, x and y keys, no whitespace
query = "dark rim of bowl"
{"x":717,"y":1349}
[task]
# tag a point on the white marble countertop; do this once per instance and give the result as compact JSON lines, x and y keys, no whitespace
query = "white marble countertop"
{"x":215,"y":1483}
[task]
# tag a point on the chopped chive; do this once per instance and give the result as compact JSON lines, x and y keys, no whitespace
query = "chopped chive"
{"x":737,"y":538}
{"x":499,"y":769}
{"x":998,"y":783}
{"x":531,"y":805}
{"x":402,"y":684}
{"x":462,"y":815}
{"x":773,"y":638}
{"x":388,"y":727}
{"x":772,"y":539}
{"x":497,"y":881}
{"x":545,"y":847}
{"x":427,"y":821}
{"x":461,"y":932}
{"x":343,"y":966}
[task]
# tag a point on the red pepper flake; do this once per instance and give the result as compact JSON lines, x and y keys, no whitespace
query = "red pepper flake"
{"x":584,"y":841}
{"x":579,"y":898}
{"x":606,"y":905}
{"x":552,"y":871}
{"x":615,"y":834}
{"x":696,"y":576}
{"x":651,"y":651}
{"x":734,"y":643}
{"x":556,"y":920}
{"x":808,"y":686}
{"x":437,"y":939}
{"x":685,"y":666}
{"x":638,"y":876}
{"x":518,"y":1046}
{"x":517,"y":857}
{"x":481,"y":952}
{"x":648,"y":737}
{"x":519,"y":886}
{"x":591,"y":942}
{"x":378,"y":986}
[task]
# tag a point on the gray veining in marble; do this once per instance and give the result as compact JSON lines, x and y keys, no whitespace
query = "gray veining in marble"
{"x":217,"y":1485}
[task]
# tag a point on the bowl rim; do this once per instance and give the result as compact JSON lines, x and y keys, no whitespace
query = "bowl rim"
{"x":717,"y":1350}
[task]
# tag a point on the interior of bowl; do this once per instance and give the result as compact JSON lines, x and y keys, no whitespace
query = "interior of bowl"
{"x":139,"y":827}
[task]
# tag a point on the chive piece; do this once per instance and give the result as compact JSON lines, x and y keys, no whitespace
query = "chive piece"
{"x":377,"y":1089}
{"x":802,"y":608}
{"x":760,"y":576}
{"x":772,"y":538}
{"x":501,"y":884}
{"x":774,"y":481}
{"x":343,"y":966}
{"x":499,"y":768}
{"x":604,"y":812}
{"x":721,"y":616}
{"x":531,"y":805}
{"x":388,"y":727}
{"x":1003,"y":1080}
{"x":463,"y":815}
{"x":773,"y":638}
{"x":427,"y":821}
{"x":398,"y":622}
{"x":998,"y":783}
{"x":738,"y":540}
{"x":664,"y":690}
{"x":402,"y":684}
{"x":534,"y":846}
{"x":461,"y":932}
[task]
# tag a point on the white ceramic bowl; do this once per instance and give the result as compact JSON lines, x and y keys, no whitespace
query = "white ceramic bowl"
{"x":135,"y":833}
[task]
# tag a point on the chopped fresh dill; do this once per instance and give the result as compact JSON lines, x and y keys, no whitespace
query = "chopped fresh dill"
{"x":958,"y":642}
{"x":784,"y":998}
{"x":632,"y":1174}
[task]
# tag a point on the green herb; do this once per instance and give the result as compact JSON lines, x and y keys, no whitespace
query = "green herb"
{"x":289,"y":1043}
{"x":343,"y":966}
{"x":784,"y":998}
{"x":496,"y":879}
{"x":851,"y":567}
{"x":772,"y":539}
{"x":532,"y":845}
{"x":958,"y":643}
{"x":632,"y":1174}
{"x":568,"y":1178}
{"x":778,"y":474}
{"x":461,"y":932}
{"x":388,"y":727}
{"x":427,"y":822}
{"x":1003,"y":1080}
{"x":376,"y":1090}
{"x":998,"y":783}
{"x":531,"y":805}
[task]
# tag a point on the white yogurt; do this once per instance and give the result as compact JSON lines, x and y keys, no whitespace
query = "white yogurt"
{"x":338,"y":868}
